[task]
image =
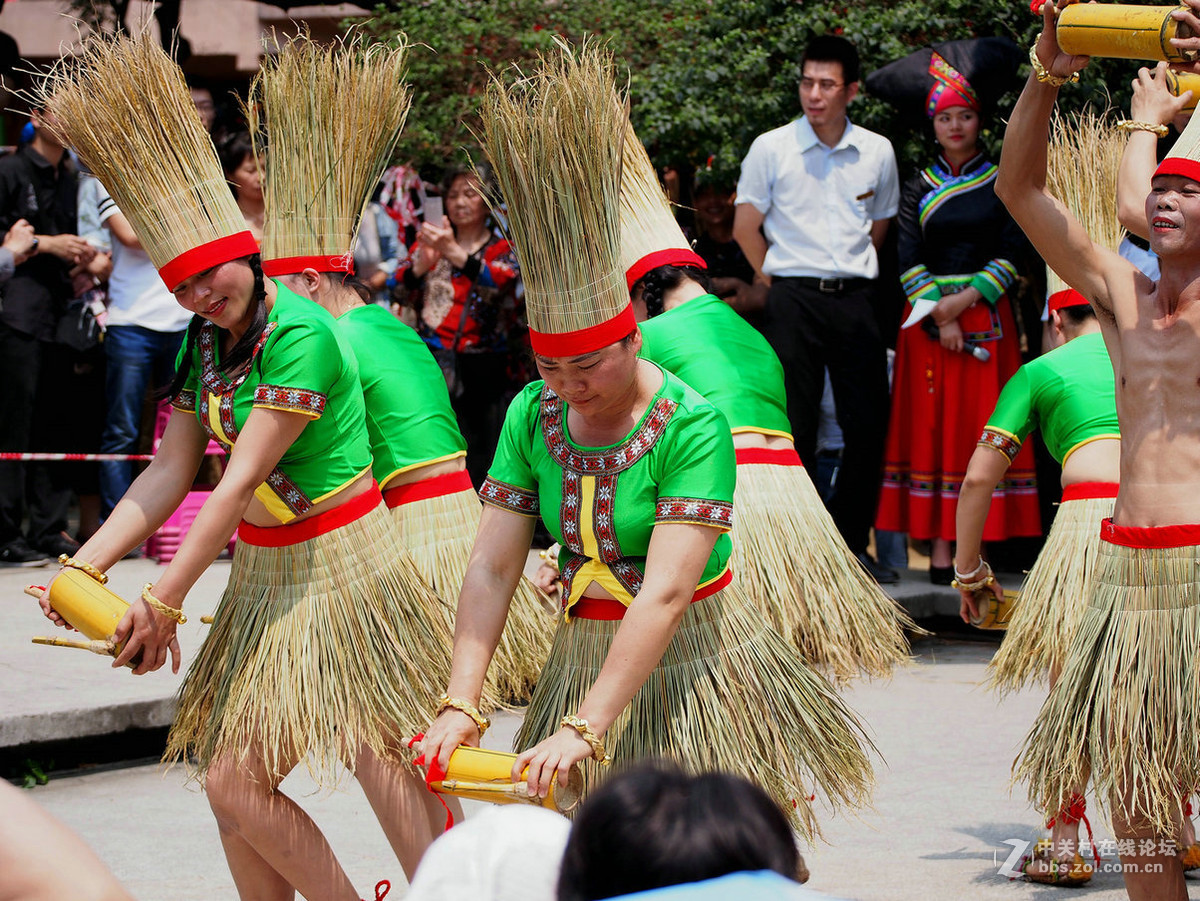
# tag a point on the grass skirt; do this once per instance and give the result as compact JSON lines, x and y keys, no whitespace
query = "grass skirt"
{"x":1053,"y":597}
{"x":439,"y":532}
{"x":319,"y":646}
{"x":794,"y":563}
{"x":729,"y":694}
{"x":1127,"y":705}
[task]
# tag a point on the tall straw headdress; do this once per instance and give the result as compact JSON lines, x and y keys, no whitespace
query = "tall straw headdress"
{"x":650,"y":236}
{"x":1083,"y":159}
{"x":554,"y":139}
{"x":125,"y":108}
{"x":331,"y":116}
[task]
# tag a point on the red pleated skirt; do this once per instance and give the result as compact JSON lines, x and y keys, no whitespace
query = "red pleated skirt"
{"x":941,"y":401}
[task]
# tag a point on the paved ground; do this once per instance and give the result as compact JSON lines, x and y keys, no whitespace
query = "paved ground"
{"x":943,"y":807}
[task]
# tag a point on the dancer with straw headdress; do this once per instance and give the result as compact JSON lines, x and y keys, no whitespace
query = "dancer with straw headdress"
{"x":324,"y":646}
{"x":1127,"y":705}
{"x":787,"y":551}
{"x":332,"y":116}
{"x":657,"y":652}
{"x":1068,"y":394}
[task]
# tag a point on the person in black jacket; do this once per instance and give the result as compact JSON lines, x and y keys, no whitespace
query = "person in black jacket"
{"x":38,"y":183}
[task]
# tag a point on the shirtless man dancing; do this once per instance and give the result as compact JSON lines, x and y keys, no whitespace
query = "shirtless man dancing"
{"x":1128,"y":702}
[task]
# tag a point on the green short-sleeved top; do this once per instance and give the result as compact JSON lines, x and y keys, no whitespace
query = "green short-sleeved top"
{"x":725,"y":358}
{"x":301,"y":364}
{"x":409,"y":417}
{"x":602,"y":503}
{"x":1069,"y":393}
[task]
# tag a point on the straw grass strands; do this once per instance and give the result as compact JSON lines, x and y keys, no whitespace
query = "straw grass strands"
{"x":647,"y":221}
{"x":555,"y":140}
{"x":1083,"y":159}
{"x":325,"y":120}
{"x":124,"y":106}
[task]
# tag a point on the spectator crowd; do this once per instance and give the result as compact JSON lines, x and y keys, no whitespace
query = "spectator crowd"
{"x":817,"y":245}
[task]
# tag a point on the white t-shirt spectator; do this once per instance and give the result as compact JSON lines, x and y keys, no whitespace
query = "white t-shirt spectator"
{"x":137,"y":294}
{"x":818,"y":202}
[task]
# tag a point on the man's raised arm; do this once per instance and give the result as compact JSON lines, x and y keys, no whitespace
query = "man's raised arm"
{"x":1021,"y":185}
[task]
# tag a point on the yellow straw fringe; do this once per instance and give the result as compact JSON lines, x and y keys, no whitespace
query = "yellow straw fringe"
{"x":793,"y":562}
{"x":1053,"y":598}
{"x":321,"y":647}
{"x":123,"y":105}
{"x":729,"y":694}
{"x":439,"y":533}
{"x":1127,"y":706}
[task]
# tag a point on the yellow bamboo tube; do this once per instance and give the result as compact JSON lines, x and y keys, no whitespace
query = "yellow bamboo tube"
{"x":1181,"y":82}
{"x":482,"y":775}
{"x":1122,"y":32}
{"x":994,"y":614}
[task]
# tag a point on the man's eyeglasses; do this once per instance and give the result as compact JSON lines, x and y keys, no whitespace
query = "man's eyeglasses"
{"x":825,"y":85}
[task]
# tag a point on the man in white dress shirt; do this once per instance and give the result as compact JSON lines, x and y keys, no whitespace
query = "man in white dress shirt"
{"x":814,"y":202}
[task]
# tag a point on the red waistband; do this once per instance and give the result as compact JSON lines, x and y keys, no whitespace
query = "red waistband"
{"x":1082,"y":491}
{"x":1183,"y":535}
{"x":423,"y":489}
{"x":610,"y":609}
{"x":774,"y":456}
{"x":326,"y":521}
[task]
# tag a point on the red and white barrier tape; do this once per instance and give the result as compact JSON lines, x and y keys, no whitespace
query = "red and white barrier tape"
{"x":28,"y":457}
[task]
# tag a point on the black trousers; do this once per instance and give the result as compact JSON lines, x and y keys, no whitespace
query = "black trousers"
{"x":36,"y":413}
{"x":812,"y":331}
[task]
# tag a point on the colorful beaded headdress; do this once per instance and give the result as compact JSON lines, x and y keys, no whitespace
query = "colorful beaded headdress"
{"x":972,"y":73}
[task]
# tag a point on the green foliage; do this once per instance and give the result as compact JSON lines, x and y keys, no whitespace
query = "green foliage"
{"x":35,"y":772}
{"x":465,"y":40}
{"x":706,"y":76}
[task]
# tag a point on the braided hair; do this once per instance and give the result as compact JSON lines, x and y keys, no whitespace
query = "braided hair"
{"x":661,"y":279}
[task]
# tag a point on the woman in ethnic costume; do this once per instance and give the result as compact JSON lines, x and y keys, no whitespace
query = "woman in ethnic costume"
{"x":957,"y":247}
{"x":418,"y":452}
{"x":657,"y":653}
{"x":787,"y":552}
{"x":1070,"y":396}
{"x":323,"y":645}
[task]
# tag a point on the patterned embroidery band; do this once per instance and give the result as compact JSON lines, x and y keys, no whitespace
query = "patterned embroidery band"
{"x":509,"y":497}
{"x":185,"y":401}
{"x":693,"y":510}
{"x":297,"y":400}
{"x":1006,"y":444}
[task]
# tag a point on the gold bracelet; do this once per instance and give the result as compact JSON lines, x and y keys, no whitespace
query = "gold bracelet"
{"x":1134,"y":125}
{"x":987,"y":580}
{"x":445,"y":702}
{"x":159,"y":607}
{"x":580,"y":725}
{"x":82,"y":566}
{"x":1042,"y":74}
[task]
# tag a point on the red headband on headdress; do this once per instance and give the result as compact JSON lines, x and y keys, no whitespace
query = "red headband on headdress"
{"x":670,"y":256}
{"x":584,"y":340}
{"x":1068,"y":297}
{"x":294,"y":265}
{"x":949,"y":89}
{"x":1179,"y":165}
{"x":206,"y":256}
